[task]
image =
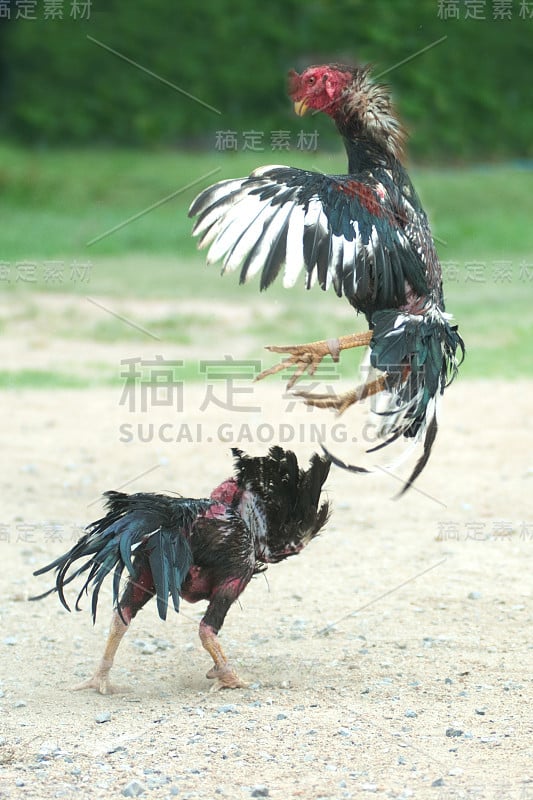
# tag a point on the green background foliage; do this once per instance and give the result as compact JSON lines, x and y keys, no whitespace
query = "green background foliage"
{"x":90,"y":141}
{"x":467,"y":98}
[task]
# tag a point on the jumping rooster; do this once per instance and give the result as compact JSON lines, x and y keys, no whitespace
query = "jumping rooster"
{"x":196,"y":549}
{"x":366,"y":235}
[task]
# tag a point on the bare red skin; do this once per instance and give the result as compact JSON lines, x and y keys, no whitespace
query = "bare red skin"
{"x":143,"y":585}
{"x":198,"y":584}
{"x":322,"y":88}
{"x":224,"y":495}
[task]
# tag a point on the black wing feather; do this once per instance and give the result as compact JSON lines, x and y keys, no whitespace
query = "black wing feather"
{"x":389,"y":256}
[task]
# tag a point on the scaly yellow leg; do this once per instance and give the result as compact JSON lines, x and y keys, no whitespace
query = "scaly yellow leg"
{"x":307,"y":357}
{"x":341,"y":402}
{"x":100,"y":679}
{"x":222,"y":672}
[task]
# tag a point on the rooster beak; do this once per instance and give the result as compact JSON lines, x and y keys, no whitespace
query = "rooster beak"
{"x":300,"y":107}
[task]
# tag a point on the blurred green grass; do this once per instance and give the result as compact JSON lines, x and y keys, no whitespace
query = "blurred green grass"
{"x":52,"y":203}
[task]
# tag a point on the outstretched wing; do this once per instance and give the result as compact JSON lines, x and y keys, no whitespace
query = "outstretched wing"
{"x":341,"y":231}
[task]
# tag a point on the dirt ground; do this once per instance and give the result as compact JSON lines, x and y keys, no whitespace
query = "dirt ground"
{"x":392,"y":659}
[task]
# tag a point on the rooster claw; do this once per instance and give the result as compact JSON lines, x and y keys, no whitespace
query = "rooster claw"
{"x":307,"y":357}
{"x":303,"y":357}
{"x":226,"y":678}
{"x":340,"y":402}
{"x":101,"y":684}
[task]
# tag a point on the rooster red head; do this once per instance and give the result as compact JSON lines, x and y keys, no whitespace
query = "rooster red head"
{"x":357,"y":105}
{"x":321,"y":88}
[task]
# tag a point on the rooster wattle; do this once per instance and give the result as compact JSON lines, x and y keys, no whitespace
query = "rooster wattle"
{"x":366,"y":235}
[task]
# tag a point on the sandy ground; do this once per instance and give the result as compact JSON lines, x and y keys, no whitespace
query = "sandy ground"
{"x":419,"y":688}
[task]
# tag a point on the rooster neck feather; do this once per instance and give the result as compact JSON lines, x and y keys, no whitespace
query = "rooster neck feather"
{"x":367,"y":113}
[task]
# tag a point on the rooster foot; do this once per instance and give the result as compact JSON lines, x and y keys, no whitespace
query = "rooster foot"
{"x":340,"y":402}
{"x":307,"y":357}
{"x":101,"y":683}
{"x":226,"y":678}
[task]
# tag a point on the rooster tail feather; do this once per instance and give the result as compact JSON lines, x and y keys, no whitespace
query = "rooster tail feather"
{"x":170,"y":558}
{"x":429,"y":439}
{"x":154,"y":524}
{"x":420,"y":354}
{"x":280,"y":501}
{"x":312,"y":516}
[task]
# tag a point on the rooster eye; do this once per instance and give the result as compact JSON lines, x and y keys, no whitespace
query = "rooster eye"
{"x":311,"y":80}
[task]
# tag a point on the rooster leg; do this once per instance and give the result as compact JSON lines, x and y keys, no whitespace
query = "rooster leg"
{"x":100,"y":679}
{"x":307,"y":357}
{"x":340,"y":402}
{"x":136,"y":594}
{"x":223,"y":672}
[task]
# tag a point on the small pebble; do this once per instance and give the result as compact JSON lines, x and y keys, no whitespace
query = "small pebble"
{"x":281,"y":716}
{"x":451,"y":732}
{"x":474,"y":595}
{"x":10,"y":640}
{"x":260,"y":791}
{"x":133,"y":789}
{"x":481,"y":711}
{"x":115,"y":749}
{"x":163,"y":644}
{"x":410,"y":713}
{"x":105,"y":716}
{"x":230,"y":708}
{"x":438,"y":782}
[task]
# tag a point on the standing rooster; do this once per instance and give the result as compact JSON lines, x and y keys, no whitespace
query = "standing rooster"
{"x":365,"y":234}
{"x":196,"y":549}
